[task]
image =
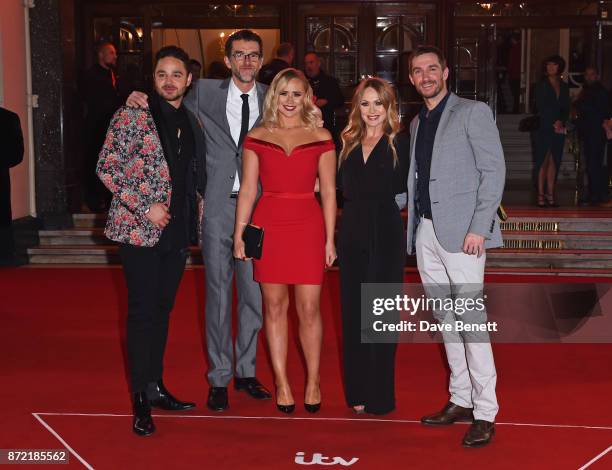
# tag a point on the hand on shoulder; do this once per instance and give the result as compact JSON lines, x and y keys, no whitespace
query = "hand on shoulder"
{"x":129,"y":115}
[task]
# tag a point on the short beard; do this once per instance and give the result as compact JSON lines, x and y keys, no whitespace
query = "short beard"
{"x":241,"y":79}
{"x":437,"y":91}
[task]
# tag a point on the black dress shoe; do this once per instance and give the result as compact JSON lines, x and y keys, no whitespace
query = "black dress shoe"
{"x":287,"y":409}
{"x":479,"y":434}
{"x":142,"y":423}
{"x":252,"y":386}
{"x":217,"y":399}
{"x":450,"y":414}
{"x":160,"y":397}
{"x":312,"y":407}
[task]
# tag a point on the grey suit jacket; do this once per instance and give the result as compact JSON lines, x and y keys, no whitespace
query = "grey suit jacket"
{"x":467,"y":176}
{"x":207,"y":100}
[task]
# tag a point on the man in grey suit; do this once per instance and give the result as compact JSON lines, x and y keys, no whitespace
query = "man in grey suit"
{"x":228,"y":109}
{"x":455,"y":185}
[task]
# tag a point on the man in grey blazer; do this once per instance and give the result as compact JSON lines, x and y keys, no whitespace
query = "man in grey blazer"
{"x":227,"y":110}
{"x":455,"y":185}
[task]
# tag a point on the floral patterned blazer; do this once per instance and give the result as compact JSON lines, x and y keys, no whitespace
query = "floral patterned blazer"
{"x":133,"y":167}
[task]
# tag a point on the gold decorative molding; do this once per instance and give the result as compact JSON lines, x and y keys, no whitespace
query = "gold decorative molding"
{"x":534,"y":244}
{"x":530,"y":226}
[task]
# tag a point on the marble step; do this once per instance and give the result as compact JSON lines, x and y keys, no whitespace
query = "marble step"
{"x":76,"y":236}
{"x":499,"y":258}
{"x":562,"y":219}
{"x":520,"y":220}
{"x":78,"y":254}
{"x":88,"y":220}
{"x":553,"y":259}
{"x":550,"y":272}
{"x":558,"y":240}
{"x":513,"y":239}
{"x":557,"y":224}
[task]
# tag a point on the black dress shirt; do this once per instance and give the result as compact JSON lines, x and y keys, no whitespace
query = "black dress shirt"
{"x":181,"y":145}
{"x":426,"y":135}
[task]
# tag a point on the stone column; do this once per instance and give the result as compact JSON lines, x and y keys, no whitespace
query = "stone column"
{"x":51,"y":166}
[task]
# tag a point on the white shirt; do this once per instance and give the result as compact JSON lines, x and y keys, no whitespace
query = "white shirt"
{"x":234,"y":115}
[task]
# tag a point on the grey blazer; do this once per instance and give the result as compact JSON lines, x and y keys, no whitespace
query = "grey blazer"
{"x":467,"y":176}
{"x":207,"y":100}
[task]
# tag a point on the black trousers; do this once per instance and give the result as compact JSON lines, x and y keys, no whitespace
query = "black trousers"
{"x":369,"y":368}
{"x":375,"y":255}
{"x":7,"y":247}
{"x":594,"y":147}
{"x":153,"y":276}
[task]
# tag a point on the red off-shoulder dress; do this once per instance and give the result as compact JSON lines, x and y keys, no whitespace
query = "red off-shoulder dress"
{"x":292,"y":219}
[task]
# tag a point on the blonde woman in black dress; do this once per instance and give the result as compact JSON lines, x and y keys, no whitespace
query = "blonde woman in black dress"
{"x":373,"y":168}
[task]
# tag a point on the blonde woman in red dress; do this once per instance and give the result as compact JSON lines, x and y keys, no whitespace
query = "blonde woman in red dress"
{"x":285,"y":155}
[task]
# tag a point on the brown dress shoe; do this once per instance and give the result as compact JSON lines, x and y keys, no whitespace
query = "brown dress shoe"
{"x":479,"y":434}
{"x":449,"y":415}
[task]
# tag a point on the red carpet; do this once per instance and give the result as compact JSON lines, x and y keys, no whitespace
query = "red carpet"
{"x":61,"y":345}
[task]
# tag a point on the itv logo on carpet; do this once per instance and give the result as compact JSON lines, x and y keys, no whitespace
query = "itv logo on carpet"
{"x":320,"y":459}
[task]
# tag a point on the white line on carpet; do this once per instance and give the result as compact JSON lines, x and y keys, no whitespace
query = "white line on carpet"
{"x":62,"y":441}
{"x":571,"y":426}
{"x":595,"y":459}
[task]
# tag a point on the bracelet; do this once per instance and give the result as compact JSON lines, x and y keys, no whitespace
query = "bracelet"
{"x":148,"y":210}
{"x":243,"y":223}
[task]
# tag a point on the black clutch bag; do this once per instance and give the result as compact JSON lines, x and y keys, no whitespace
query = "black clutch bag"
{"x":530,"y":123}
{"x":253,"y":241}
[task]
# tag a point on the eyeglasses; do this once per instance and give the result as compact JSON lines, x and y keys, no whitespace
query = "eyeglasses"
{"x":240,"y":56}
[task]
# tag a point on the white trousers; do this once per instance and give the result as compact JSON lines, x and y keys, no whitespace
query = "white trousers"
{"x":473,"y":376}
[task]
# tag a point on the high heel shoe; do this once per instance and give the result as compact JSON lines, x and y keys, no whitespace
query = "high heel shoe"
{"x":550,"y":201}
{"x":287,"y":409}
{"x":541,"y":200}
{"x":312,"y":407}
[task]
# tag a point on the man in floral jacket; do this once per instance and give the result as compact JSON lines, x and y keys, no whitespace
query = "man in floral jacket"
{"x":153,"y":161}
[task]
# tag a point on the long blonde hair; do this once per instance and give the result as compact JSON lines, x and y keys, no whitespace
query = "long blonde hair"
{"x":270,"y":107}
{"x":355,"y":129}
